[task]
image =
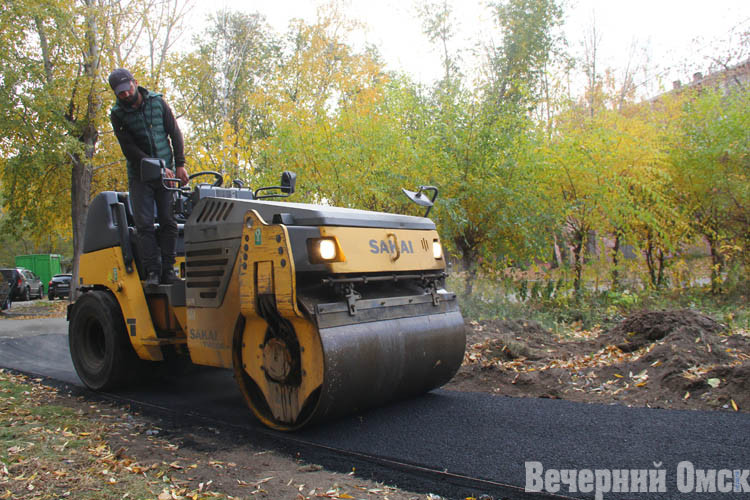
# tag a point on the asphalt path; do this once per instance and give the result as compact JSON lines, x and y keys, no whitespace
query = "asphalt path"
{"x":475,"y":435}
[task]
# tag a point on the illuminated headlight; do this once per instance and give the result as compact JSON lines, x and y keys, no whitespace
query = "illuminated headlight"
{"x":437,"y":249}
{"x":327,"y":249}
{"x":323,"y":250}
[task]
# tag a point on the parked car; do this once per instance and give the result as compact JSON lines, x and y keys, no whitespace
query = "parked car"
{"x":25,"y":284}
{"x":4,"y":293}
{"x":59,"y":286}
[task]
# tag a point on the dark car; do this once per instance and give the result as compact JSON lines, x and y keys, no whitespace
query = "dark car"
{"x":24,"y":283}
{"x":59,"y":286}
{"x":4,"y":293}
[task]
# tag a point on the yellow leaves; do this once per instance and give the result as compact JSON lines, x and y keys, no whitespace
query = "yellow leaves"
{"x":640,"y":378}
{"x":136,"y":469}
{"x":264,"y":480}
{"x":734,"y":405}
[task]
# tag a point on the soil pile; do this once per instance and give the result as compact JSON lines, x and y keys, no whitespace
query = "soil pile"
{"x":647,"y":327}
{"x":669,"y":359}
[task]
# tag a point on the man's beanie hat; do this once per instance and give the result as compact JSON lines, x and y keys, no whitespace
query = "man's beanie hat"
{"x":120,"y":80}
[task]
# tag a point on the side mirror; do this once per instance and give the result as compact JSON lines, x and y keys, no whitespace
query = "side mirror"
{"x":288,"y":181}
{"x":151,"y":169}
{"x":420,"y":197}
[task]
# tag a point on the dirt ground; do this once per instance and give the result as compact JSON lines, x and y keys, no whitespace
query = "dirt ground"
{"x":668,"y":359}
{"x":677,"y":359}
{"x":35,"y":309}
{"x":110,"y":449}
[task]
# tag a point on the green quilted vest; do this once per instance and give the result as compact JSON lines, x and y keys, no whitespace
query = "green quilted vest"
{"x":146,"y":126}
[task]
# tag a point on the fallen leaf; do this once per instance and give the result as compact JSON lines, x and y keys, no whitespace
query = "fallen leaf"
{"x":713,"y":382}
{"x":734,"y":405}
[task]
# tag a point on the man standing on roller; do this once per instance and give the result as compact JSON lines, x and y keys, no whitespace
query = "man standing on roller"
{"x":146,"y":128}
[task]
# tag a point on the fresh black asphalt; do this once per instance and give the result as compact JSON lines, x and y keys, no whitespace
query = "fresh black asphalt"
{"x":461,"y":433}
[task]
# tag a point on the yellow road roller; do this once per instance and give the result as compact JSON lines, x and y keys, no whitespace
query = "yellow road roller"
{"x":319,"y":311}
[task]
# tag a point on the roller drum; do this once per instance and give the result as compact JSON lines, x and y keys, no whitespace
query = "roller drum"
{"x":364,"y":364}
{"x":368,"y":364}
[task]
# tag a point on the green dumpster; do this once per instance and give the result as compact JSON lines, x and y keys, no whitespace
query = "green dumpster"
{"x":43,"y":265}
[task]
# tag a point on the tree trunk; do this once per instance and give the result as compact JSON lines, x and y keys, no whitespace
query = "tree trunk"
{"x":579,"y":239}
{"x":80,"y":193}
{"x":467,"y":248}
{"x":660,"y":275}
{"x":616,"y":262}
{"x":650,"y":264}
{"x":469,"y":262}
{"x":83,"y":170}
{"x":717,"y":263}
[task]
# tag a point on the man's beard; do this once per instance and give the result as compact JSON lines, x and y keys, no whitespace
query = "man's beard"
{"x":133,"y":99}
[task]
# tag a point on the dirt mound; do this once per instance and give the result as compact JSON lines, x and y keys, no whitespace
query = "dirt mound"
{"x":646,"y":327}
{"x":510,"y":339}
{"x":733,"y":385}
{"x":669,"y":359}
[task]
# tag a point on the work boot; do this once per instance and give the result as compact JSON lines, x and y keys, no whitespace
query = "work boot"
{"x":152,"y":279}
{"x":169,"y":276}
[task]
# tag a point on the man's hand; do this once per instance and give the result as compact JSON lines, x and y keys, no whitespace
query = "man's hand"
{"x":182,"y":175}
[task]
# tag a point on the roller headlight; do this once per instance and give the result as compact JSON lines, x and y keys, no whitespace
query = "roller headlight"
{"x":437,"y":249}
{"x":323,"y":250}
{"x":327,"y":249}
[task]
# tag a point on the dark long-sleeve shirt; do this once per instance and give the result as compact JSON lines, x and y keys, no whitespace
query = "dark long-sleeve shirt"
{"x":131,"y":149}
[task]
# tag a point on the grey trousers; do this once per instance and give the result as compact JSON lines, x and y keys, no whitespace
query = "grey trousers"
{"x":156,"y":256}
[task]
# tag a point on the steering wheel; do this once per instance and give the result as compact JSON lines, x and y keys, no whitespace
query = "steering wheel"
{"x":217,"y":175}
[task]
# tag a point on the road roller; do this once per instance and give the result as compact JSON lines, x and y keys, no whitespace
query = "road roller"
{"x":319,"y":311}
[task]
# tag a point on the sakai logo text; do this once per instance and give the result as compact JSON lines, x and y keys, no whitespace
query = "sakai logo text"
{"x":199,"y":334}
{"x":390,"y":247}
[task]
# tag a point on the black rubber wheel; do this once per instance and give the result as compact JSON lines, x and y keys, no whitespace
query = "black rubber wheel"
{"x":26,"y":294}
{"x":51,"y":295}
{"x":102,"y":354}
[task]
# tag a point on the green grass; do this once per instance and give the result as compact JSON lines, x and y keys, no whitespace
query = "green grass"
{"x":551,"y":302}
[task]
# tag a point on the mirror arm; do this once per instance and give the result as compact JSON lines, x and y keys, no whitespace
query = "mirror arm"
{"x":280,"y":195}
